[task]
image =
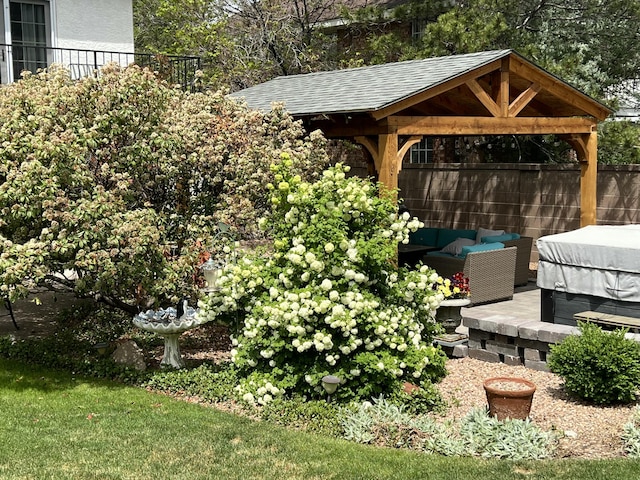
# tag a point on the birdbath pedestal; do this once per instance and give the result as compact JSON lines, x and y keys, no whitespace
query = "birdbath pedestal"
{"x":165,"y":323}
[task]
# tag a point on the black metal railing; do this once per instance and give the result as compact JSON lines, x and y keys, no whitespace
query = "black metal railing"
{"x":14,"y":59}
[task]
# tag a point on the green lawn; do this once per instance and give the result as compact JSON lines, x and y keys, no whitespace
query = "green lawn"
{"x":53,"y":425}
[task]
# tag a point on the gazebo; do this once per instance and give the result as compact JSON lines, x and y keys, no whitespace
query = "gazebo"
{"x":388,"y":108}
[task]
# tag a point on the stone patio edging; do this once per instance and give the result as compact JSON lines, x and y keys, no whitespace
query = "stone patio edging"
{"x":514,"y":341}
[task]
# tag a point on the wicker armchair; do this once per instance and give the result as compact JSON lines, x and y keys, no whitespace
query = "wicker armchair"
{"x":523,"y":257}
{"x":491,"y":273}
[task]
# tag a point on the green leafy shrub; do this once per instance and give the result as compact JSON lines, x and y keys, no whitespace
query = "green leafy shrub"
{"x":317,"y":416}
{"x":70,"y":347}
{"x":329,"y":299}
{"x":386,"y":424}
{"x":110,"y":185}
{"x":66,"y":353}
{"x":598,"y":366}
{"x":212,"y":383}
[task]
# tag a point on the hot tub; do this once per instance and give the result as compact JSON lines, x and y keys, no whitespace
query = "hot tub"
{"x":593,"y":268}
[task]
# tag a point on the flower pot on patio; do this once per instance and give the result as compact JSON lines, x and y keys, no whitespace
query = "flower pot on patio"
{"x":448,"y":313}
{"x":509,"y":397}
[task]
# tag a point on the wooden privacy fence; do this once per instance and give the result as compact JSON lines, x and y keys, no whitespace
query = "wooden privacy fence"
{"x":531,"y":199}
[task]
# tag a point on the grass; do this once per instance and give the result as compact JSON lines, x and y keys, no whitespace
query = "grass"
{"x":54,"y":425}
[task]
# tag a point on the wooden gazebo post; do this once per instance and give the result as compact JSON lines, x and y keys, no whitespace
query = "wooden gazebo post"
{"x":388,"y":172}
{"x":586,"y":146}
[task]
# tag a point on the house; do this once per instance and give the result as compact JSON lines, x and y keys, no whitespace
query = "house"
{"x":80,"y":34}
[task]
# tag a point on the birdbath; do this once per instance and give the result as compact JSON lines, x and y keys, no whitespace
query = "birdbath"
{"x":165,"y":323}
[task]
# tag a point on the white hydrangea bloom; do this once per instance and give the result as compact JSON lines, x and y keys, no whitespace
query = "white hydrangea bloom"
{"x":326,"y":285}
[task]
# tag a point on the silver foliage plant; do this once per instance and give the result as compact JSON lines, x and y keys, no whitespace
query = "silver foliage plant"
{"x":631,"y":435}
{"x":385,"y":424}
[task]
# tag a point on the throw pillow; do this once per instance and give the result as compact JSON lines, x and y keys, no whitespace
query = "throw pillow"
{"x":501,"y":238}
{"x":455,"y":247}
{"x":485,"y":232}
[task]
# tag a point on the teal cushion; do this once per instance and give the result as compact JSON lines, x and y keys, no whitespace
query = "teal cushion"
{"x":500,"y":238}
{"x":424,"y":236}
{"x":480,"y":247}
{"x":439,"y":254}
{"x":448,"y":235}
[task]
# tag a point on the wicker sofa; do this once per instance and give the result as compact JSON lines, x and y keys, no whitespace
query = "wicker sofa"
{"x":440,"y":237}
{"x":523,"y":256}
{"x":491,"y":272}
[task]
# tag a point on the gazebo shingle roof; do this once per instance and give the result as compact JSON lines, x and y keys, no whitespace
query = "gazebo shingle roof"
{"x":486,"y":93}
{"x":364,"y":89}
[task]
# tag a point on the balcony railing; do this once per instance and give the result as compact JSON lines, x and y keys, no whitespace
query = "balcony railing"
{"x":82,"y":63}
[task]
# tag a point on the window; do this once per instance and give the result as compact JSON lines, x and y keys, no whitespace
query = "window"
{"x":29,"y":35}
{"x":417,"y":30}
{"x":422,"y":152}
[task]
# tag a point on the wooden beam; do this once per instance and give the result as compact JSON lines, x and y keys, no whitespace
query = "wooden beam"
{"x":561,"y":90}
{"x":372,"y":147}
{"x":523,"y":99}
{"x":436,"y":90}
{"x":484,"y":97}
{"x":505,"y":88}
{"x":489,"y":125}
{"x":337,"y":127}
{"x":405,"y":147}
{"x":388,"y":173}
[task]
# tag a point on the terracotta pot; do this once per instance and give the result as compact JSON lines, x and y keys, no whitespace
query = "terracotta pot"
{"x":509,"y":397}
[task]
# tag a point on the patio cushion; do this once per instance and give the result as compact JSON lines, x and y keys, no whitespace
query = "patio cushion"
{"x":500,"y":238}
{"x":448,"y":235}
{"x":440,"y":254}
{"x":424,"y":236}
{"x":455,"y":247}
{"x":480,"y":247}
{"x":485,"y":232}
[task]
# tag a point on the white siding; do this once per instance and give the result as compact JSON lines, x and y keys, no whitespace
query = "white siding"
{"x":94,"y":24}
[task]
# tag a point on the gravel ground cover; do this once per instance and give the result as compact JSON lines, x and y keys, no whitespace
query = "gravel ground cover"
{"x":591,"y":431}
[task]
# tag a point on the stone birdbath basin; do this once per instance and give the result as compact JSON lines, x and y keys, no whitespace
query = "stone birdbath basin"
{"x":167,"y":324}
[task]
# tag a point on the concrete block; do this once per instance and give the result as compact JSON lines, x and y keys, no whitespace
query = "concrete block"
{"x":509,"y":326}
{"x":484,"y":355}
{"x":504,"y":339}
{"x":533,"y":355}
{"x":512,"y":360}
{"x":501,"y":348}
{"x":529,"y":330}
{"x":532,"y":344}
{"x":471,"y":323}
{"x":555,"y":333}
{"x":477,"y":344}
{"x":536,"y":365}
{"x":489,"y":324}
{"x":460,"y":351}
{"x":480,"y":335}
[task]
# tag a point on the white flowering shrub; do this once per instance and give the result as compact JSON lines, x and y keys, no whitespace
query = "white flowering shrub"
{"x":109,"y":186}
{"x":329,"y":298}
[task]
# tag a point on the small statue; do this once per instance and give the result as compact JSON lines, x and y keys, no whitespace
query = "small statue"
{"x":181,"y":308}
